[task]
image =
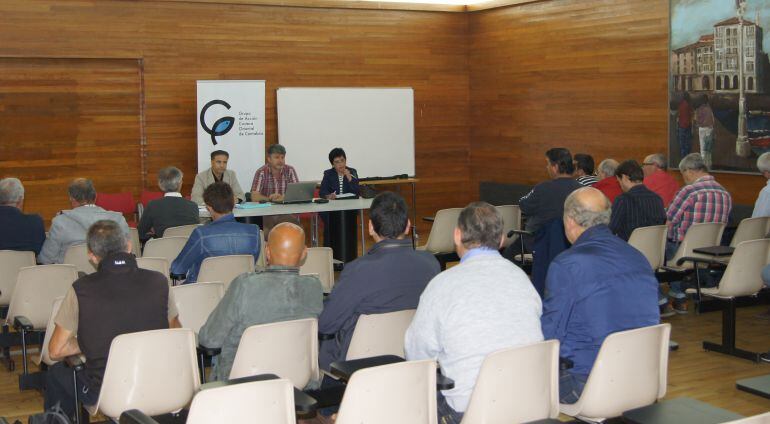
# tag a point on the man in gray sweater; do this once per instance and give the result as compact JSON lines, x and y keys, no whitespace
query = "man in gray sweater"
{"x":70,"y":226}
{"x":482,"y":305}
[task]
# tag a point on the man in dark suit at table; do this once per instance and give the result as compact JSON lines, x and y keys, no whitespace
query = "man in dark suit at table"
{"x":171,"y":210}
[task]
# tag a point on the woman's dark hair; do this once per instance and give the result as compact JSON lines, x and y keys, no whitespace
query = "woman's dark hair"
{"x":336,"y":153}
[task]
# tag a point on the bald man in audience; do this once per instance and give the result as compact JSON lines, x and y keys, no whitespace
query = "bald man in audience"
{"x":276,"y":294}
{"x":599,"y":286}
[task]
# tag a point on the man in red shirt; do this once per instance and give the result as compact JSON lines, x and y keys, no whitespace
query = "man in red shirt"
{"x":657,"y":179}
{"x":684,"y":125}
{"x":607,"y":183}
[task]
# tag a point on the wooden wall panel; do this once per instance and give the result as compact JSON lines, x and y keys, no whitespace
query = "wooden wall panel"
{"x":180,"y":43}
{"x":589,"y":75}
{"x":67,"y":118}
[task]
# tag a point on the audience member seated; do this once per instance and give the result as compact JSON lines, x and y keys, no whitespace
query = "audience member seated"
{"x":637,"y":206}
{"x":20,"y":231}
{"x":339,"y":179}
{"x":217,"y":172}
{"x":607,"y":183}
{"x":171,"y":210}
{"x":276,"y":294}
{"x":224,"y":236}
{"x":546,"y":200}
{"x":482,"y":305}
{"x":118,"y":298}
{"x":69,"y":227}
{"x":599,"y":286}
{"x":762,"y":206}
{"x":270,"y":182}
{"x":390,"y":277}
{"x":657,"y":179}
{"x":702,"y":199}
{"x":584,"y":169}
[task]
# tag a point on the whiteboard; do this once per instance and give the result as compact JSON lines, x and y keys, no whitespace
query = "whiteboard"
{"x":375,"y":127}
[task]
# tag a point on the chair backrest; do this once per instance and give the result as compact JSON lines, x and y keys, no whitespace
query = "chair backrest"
{"x":288,"y":349}
{"x":225,"y":268}
{"x":409,"y":385}
{"x":155,"y":264}
{"x":441,"y":236}
{"x":750,"y":229}
{"x":165,"y":247}
{"x":517,"y":385}
{"x":743,"y":276}
{"x":651,"y":241}
{"x":704,"y":234}
{"x":196,"y":301}
{"x":380,"y":334}
{"x":136,"y":245}
{"x":630,"y":372}
{"x":36,"y":289}
{"x":154,"y":371}
{"x":180,"y":231}
{"x":10,"y":263}
{"x":319,"y":261}
{"x":270,"y":401}
{"x":77,"y":255}
{"x":43,"y":356}
{"x":511,"y":221}
{"x":118,"y":202}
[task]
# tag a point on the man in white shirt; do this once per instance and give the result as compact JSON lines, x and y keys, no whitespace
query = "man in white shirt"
{"x":762,"y":206}
{"x":484,"y":304}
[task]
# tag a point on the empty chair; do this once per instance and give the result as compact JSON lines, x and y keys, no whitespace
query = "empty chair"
{"x":288,"y":349}
{"x":153,"y":371}
{"x":705,"y":234}
{"x":77,"y":255}
{"x":380,"y":334}
{"x":516,"y":385}
{"x":155,"y":264}
{"x":651,"y":241}
{"x":319,"y":261}
{"x":511,"y":221}
{"x":741,"y":278}
{"x":196,"y":301}
{"x":750,"y":229}
{"x":43,"y":356}
{"x":270,"y":401}
{"x":136,"y":245}
{"x":10,"y":263}
{"x":441,"y":237}
{"x":36,"y":289}
{"x":165,"y":247}
{"x":630,"y":372}
{"x":410,"y":387}
{"x":225,"y":268}
{"x":117,"y":202}
{"x":180,"y":231}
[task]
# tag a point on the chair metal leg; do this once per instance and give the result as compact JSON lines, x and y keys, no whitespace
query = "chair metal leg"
{"x":728,"y":335}
{"x":202,"y":359}
{"x":78,"y":413}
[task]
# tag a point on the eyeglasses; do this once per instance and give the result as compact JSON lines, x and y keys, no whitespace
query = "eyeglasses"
{"x":647,"y":163}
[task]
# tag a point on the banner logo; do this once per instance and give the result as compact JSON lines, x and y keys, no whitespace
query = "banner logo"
{"x":222,"y":125}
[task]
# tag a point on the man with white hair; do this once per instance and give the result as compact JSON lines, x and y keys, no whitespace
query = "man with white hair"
{"x":599,"y":286}
{"x":171,"y":210}
{"x":20,"y":231}
{"x":657,"y":179}
{"x":762,"y":206}
{"x":607,"y":183}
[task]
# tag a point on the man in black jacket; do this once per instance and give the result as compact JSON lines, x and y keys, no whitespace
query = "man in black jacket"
{"x":638,"y":206}
{"x":171,"y":210}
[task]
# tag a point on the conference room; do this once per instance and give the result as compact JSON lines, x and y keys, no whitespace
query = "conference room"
{"x":336,"y":171}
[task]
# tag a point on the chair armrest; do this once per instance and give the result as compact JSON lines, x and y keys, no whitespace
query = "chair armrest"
{"x":209,"y":351}
{"x":344,"y":369}
{"x":22,"y":323}
{"x":428,"y":218}
{"x":565,"y":364}
{"x":444,"y":383}
{"x":697,"y":261}
{"x":519,"y":232}
{"x":303,"y":403}
{"x":75,"y":362}
{"x":322,"y":336}
{"x":135,"y":416}
{"x":177,"y":276}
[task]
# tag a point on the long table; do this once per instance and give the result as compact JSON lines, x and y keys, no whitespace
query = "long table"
{"x":313,"y":208}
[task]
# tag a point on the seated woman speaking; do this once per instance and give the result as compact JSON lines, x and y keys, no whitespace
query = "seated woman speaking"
{"x":339,"y":227}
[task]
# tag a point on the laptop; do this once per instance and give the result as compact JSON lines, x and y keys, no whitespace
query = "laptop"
{"x":298,"y":193}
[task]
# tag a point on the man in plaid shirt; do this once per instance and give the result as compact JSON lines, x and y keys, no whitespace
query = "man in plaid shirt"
{"x":702,"y":199}
{"x":270,"y":182}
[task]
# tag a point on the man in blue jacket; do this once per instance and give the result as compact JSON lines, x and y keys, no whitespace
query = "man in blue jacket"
{"x":389,"y":278}
{"x":599,"y":286}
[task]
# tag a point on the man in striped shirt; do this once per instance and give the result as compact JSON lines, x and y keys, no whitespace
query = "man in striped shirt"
{"x":637,"y":206}
{"x":702,"y":199}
